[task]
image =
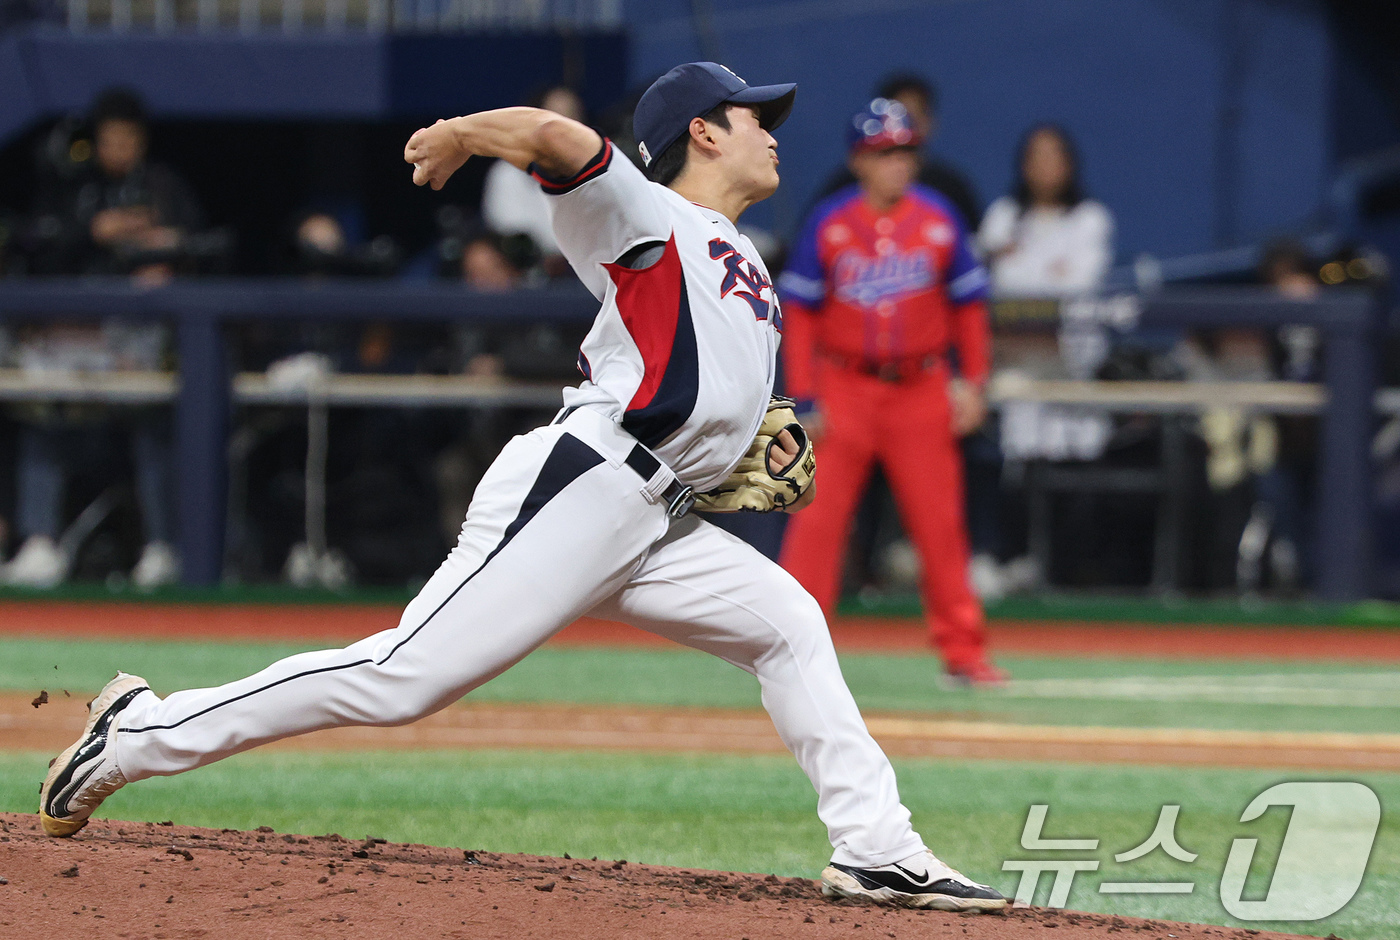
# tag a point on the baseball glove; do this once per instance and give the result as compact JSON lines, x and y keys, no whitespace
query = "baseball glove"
{"x":753,"y":486}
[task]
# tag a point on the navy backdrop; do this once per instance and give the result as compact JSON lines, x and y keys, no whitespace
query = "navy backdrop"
{"x":1202,"y":122}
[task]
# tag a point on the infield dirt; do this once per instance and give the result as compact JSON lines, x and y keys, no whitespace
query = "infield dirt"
{"x":146,"y":881}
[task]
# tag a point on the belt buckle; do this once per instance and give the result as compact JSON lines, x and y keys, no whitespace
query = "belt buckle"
{"x":681,"y":503}
{"x":888,"y":372}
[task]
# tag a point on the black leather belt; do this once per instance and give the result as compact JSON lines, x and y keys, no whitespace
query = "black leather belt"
{"x":897,"y":370}
{"x":679,"y":497}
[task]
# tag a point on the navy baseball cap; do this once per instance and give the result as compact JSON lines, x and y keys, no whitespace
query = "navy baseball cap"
{"x":692,"y":90}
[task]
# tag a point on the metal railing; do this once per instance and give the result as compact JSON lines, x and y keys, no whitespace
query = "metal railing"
{"x":336,"y":16}
{"x":206,"y":391}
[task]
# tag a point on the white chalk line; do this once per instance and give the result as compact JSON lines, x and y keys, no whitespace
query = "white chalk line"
{"x":1326,"y":689}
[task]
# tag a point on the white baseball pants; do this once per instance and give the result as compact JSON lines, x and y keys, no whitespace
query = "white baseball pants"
{"x":560,"y":527}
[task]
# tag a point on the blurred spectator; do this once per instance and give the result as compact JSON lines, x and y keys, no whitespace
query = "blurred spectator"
{"x":1278,"y":454}
{"x":319,"y":246}
{"x":314,"y":244}
{"x":479,"y":433}
{"x":512,"y":202}
{"x":542,"y":353}
{"x":1260,"y":468}
{"x":56,"y":442}
{"x":494,"y":264}
{"x":486,"y":266}
{"x":9,"y":263}
{"x":920,"y":99}
{"x":1289,"y":269}
{"x":320,"y":235}
{"x":1047,"y":238}
{"x":468,"y":249}
{"x":340,"y":495}
{"x":114,"y":212}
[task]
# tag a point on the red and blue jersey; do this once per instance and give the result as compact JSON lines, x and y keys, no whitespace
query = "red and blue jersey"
{"x":872,"y":287}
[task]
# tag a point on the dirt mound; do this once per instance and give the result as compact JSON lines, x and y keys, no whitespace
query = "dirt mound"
{"x":147,"y":881}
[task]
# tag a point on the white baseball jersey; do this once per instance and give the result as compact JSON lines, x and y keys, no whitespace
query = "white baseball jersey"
{"x":682,"y":353}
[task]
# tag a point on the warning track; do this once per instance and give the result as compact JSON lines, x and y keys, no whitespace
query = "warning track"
{"x":348,"y":622}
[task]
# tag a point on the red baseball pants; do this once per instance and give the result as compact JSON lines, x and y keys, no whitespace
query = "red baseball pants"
{"x":906,"y":426}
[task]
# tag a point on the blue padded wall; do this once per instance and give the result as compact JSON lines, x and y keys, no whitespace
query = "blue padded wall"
{"x":1201,"y":122}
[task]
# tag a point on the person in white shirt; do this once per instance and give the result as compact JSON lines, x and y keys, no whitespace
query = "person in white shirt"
{"x":512,"y":202}
{"x":1047,"y":238}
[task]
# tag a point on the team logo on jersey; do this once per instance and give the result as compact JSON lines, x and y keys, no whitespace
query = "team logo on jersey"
{"x":938,"y":233}
{"x":866,"y":281}
{"x":740,"y":272}
{"x":837,"y":234}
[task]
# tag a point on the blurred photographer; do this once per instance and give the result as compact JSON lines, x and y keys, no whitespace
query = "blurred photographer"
{"x":103,"y":210}
{"x":110,"y":210}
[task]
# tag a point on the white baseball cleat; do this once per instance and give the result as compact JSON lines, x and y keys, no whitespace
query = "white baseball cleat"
{"x":39,"y":563}
{"x":918,"y":881}
{"x":83,"y":776}
{"x":157,"y":567}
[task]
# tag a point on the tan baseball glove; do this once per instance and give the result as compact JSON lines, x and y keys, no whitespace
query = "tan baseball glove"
{"x":753,"y":485}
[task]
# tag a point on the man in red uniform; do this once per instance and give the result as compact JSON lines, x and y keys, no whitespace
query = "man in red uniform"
{"x":882,"y":283}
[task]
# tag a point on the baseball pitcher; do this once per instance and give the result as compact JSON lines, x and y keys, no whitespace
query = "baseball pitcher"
{"x":590,"y":515}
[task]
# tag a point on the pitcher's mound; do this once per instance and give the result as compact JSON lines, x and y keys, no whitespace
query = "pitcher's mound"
{"x":156,"y":881}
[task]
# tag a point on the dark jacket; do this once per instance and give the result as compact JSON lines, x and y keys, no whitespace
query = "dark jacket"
{"x":64,"y":218}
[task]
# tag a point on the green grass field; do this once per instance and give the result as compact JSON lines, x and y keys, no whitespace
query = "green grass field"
{"x":1230,"y":694}
{"x":756,"y":813}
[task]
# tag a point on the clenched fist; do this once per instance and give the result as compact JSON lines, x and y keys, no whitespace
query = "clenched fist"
{"x":435,"y":154}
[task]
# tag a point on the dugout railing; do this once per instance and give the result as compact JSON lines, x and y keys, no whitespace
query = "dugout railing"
{"x":206,"y":389}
